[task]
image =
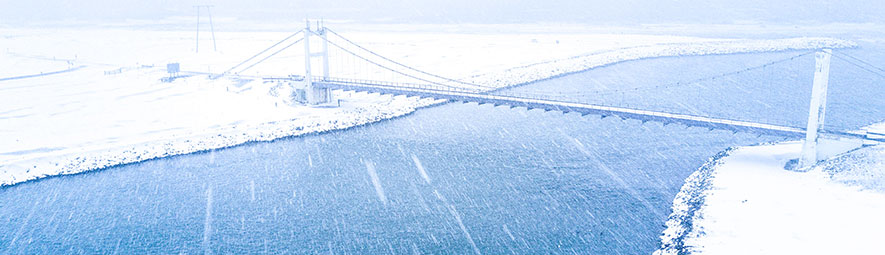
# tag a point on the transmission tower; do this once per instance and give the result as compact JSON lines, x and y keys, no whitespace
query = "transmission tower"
{"x":211,"y":26}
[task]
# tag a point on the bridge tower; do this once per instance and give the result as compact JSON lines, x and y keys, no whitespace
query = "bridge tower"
{"x":313,"y":94}
{"x":817,"y":110}
{"x":325,"y":54}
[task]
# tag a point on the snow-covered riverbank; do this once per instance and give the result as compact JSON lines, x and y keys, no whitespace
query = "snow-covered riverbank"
{"x":744,"y":202}
{"x":116,"y":111}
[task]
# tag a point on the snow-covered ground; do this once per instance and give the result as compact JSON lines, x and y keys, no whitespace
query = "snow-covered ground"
{"x":100,"y":102}
{"x":744,"y":202}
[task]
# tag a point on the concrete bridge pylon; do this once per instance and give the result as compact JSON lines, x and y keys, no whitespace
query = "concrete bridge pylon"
{"x":316,"y":95}
{"x":817,"y":147}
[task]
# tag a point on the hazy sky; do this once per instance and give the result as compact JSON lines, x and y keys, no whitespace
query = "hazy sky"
{"x":458,"y":11}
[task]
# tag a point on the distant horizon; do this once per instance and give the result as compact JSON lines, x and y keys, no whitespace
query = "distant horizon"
{"x":628,"y":12}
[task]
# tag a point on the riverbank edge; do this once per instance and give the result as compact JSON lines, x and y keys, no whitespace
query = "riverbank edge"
{"x":691,"y":198}
{"x":399,"y":106}
{"x":687,"y":203}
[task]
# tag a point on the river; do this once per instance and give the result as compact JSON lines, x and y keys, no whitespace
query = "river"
{"x":456,"y":178}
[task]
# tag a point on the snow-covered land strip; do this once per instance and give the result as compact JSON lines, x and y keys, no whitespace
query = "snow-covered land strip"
{"x":750,"y":205}
{"x":94,"y":118}
{"x":686,"y":205}
{"x":545,"y":70}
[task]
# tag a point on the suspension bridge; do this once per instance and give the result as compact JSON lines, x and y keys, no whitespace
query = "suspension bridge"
{"x":376,"y":73}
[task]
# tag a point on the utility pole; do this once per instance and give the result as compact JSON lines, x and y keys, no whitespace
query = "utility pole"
{"x":198,"y":29}
{"x":211,"y":26}
{"x":818,"y":108}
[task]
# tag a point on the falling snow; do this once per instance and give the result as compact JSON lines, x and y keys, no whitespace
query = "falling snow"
{"x":106,"y":149}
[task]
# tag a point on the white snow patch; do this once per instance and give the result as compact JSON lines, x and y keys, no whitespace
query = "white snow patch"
{"x":116,"y":111}
{"x":754,"y":206}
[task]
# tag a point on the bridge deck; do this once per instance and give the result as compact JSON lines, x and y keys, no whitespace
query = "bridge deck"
{"x":466,"y":95}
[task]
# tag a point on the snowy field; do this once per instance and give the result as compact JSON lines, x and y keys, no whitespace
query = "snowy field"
{"x":73,"y":100}
{"x":114,"y":109}
{"x":744,"y":202}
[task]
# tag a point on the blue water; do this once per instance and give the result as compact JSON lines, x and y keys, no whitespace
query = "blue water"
{"x":498,"y":180}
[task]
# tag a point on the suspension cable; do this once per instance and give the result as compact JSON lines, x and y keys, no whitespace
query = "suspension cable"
{"x":849,"y":61}
{"x":263,"y":51}
{"x":408,"y":67}
{"x":860,"y":60}
{"x":271,"y":55}
{"x":388,"y":68}
{"x":692,"y":82}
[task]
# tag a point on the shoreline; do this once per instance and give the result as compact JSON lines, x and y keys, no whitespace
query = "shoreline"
{"x":98,"y":158}
{"x":686,"y":205}
{"x":706,"y":202}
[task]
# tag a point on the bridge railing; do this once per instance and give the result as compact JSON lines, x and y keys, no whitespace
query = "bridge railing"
{"x":555,"y":102}
{"x":484,"y":94}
